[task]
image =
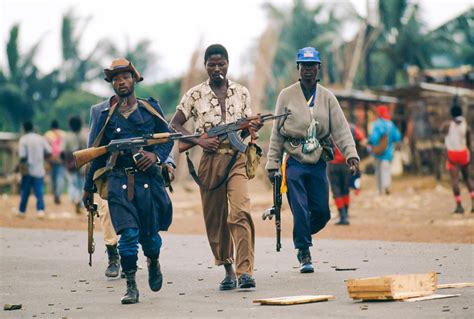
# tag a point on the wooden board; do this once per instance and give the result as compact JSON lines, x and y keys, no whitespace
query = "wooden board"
{"x":393,"y":287}
{"x":294,"y":300}
{"x":456,"y":285}
{"x":431,"y":297}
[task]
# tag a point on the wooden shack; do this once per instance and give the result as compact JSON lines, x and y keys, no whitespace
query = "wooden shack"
{"x":8,"y":161}
{"x":423,"y":107}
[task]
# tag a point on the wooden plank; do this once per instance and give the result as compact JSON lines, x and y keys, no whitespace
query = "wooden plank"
{"x":415,"y":282}
{"x":456,"y":285}
{"x":371,"y":295}
{"x":431,"y":297}
{"x":294,"y":300}
{"x":369,"y":283}
{"x":392,"y":287}
{"x":364,"y":288}
{"x":413,"y":294}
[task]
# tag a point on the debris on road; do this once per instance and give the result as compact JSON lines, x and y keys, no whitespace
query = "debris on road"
{"x":431,"y":297}
{"x":394,"y":287}
{"x":8,"y":307}
{"x":294,"y":300}
{"x":456,"y":285}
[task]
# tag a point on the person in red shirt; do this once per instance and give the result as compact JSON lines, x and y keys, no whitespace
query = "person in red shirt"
{"x":340,"y":177}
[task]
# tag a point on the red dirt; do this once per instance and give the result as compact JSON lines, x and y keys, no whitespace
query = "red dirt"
{"x":418,"y":210}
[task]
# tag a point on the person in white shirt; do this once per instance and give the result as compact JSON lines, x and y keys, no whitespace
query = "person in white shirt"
{"x":33,"y":149}
{"x":458,"y":144}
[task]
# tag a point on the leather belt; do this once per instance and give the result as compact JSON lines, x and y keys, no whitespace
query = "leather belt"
{"x":125,"y":170}
{"x":226,"y":151}
{"x":223,"y":150}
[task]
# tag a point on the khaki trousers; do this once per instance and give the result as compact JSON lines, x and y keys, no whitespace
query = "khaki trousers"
{"x":110,"y":237}
{"x":227,"y":212}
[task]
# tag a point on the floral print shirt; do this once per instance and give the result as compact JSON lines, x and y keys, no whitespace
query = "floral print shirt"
{"x":201,"y":104}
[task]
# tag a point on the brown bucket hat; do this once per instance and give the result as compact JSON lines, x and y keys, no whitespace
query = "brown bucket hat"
{"x":121,"y":65}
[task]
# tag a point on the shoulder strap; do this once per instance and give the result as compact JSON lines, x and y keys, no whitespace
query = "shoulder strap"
{"x":192,"y":171}
{"x":152,"y":110}
{"x":98,"y":139}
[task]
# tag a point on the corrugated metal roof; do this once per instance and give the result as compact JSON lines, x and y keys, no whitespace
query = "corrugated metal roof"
{"x":366,"y":96}
{"x":9,"y":136}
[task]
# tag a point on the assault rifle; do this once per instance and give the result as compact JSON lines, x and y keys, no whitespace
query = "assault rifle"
{"x":276,"y":209}
{"x":229,"y":131}
{"x":92,"y":212}
{"x":84,"y":156}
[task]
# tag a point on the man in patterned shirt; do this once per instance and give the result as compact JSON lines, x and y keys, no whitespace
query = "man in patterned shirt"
{"x":211,"y":103}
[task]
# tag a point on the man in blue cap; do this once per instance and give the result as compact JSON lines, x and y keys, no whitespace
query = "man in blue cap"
{"x":300,"y":146}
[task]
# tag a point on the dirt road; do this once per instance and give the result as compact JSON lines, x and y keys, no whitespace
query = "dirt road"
{"x":418,"y":210}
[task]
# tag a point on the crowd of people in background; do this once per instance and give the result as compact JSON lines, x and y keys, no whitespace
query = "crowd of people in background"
{"x":51,"y":154}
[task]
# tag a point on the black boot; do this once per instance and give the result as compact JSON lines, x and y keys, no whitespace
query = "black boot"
{"x":343,"y":216}
{"x":114,"y":263}
{"x":131,"y":296}
{"x":155,"y":277}
{"x":459,"y":209}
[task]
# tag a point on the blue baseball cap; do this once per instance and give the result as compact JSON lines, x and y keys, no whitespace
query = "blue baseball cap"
{"x":308,"y":54}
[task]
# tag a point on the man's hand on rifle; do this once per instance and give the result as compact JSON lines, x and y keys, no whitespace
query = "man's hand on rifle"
{"x":87,"y":199}
{"x":147,"y":160}
{"x":171,"y":171}
{"x":354,"y":165}
{"x":209,"y":144}
{"x":255,"y":125}
{"x":271,"y":175}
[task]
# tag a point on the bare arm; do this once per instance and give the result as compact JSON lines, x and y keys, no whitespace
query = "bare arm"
{"x":444,"y":127}
{"x":177,"y":123}
{"x":468,"y":139}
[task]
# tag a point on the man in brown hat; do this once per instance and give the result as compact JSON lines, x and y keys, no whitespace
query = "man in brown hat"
{"x":138,"y":203}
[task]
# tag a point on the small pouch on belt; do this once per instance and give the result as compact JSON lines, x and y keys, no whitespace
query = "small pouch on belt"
{"x":101,"y":177}
{"x":253,"y":154}
{"x":101,"y":182}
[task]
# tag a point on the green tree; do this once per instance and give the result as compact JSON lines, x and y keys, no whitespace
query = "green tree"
{"x":302,"y":25}
{"x":25,"y":92}
{"x":19,"y":92}
{"x":70,"y":103}
{"x":76,"y":68}
{"x":454,"y":41}
{"x":402,"y":41}
{"x":166,"y":92}
{"x":139,"y":54}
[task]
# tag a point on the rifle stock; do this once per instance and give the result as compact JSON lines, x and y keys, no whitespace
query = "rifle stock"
{"x":84,"y":156}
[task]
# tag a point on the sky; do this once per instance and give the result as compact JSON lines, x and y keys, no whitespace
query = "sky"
{"x":175,"y":27}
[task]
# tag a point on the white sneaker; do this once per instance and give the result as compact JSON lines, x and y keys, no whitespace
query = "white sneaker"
{"x":41,"y":214}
